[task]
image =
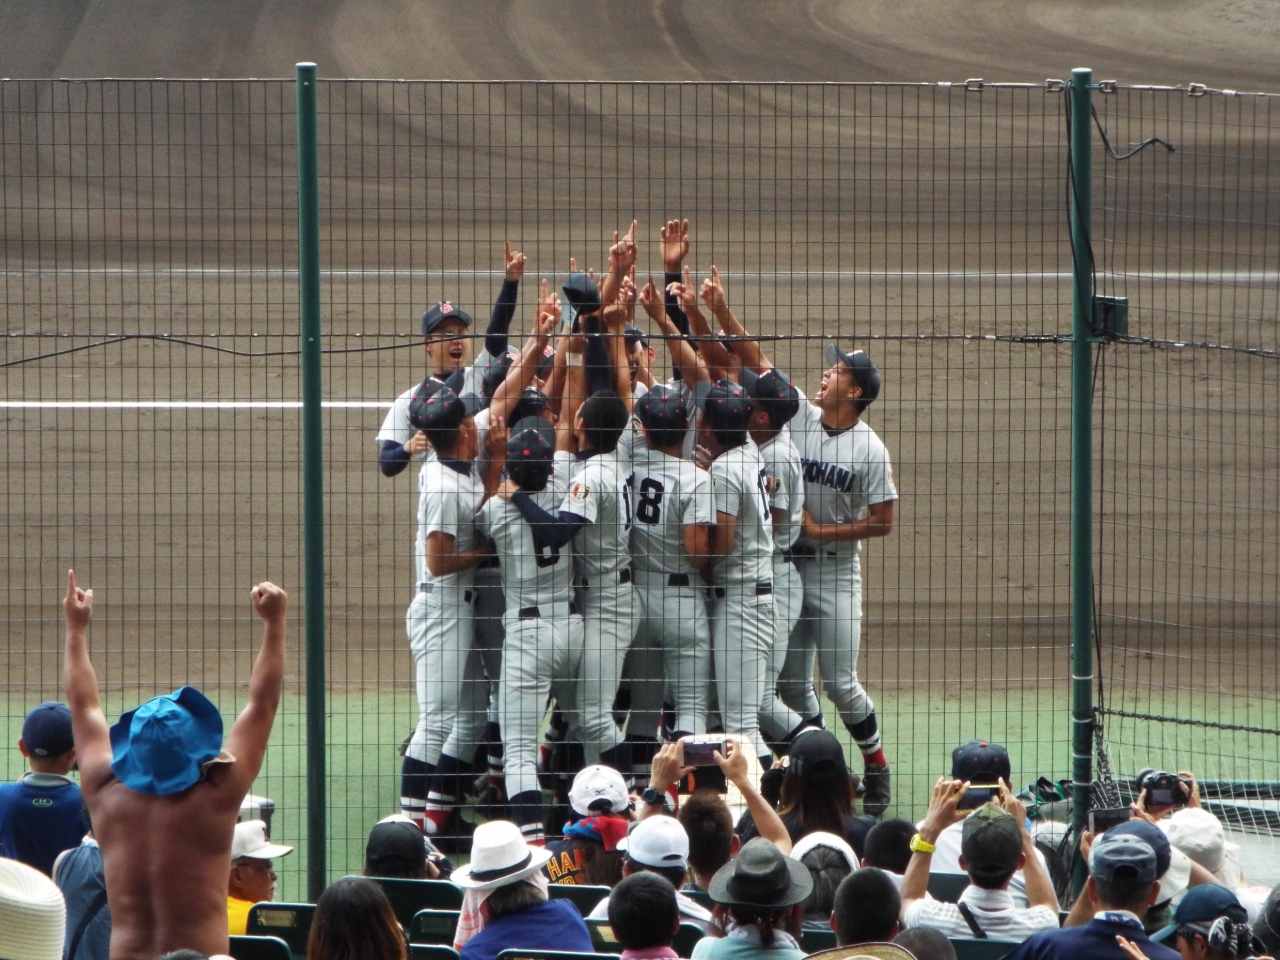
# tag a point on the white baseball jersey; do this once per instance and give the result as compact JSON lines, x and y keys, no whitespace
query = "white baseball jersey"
{"x":784,"y":484}
{"x":844,"y":473}
{"x":396,"y":425}
{"x":670,"y":494}
{"x":447,"y":503}
{"x":533,"y":572}
{"x":599,"y":492}
{"x":738,"y":487}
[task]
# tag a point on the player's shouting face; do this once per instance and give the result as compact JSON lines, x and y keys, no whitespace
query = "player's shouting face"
{"x":448,"y":348}
{"x":838,"y":388}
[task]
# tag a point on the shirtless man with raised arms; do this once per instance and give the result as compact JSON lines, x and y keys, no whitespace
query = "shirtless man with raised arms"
{"x":164,"y":794}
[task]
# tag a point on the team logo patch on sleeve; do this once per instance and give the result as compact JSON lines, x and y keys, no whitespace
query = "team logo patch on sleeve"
{"x":579,"y":492}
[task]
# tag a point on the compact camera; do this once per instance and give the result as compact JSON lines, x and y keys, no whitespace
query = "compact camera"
{"x":1163,"y":789}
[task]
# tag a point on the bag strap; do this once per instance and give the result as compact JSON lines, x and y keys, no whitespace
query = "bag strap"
{"x":95,"y":907}
{"x":965,"y":912}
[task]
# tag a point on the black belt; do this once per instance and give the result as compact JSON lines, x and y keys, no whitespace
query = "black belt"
{"x":533,"y":613}
{"x":624,"y":576}
{"x":678,"y":580}
{"x":427,"y":587}
{"x":799,"y":553}
{"x":763,"y":589}
{"x":489,"y":564}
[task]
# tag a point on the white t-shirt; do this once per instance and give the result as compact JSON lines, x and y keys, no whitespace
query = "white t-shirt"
{"x":994,"y":912}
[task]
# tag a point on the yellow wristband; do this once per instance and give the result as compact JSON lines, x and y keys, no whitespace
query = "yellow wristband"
{"x":920,"y":845}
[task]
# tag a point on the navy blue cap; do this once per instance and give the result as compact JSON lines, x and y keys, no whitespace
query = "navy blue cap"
{"x":438,"y":314}
{"x":662,"y":408}
{"x":773,"y":392}
{"x":418,"y":402}
{"x":441,"y":409}
{"x":1204,"y":904}
{"x":531,"y":403}
{"x":581,"y":293}
{"x":1122,"y":857}
{"x":981,"y":763}
{"x":546,"y":361}
{"x":496,"y":372}
{"x":533,"y":440}
{"x":865,"y":374}
{"x":47,"y":730}
{"x":634,"y":335}
{"x":1154,"y":837}
{"x":727,"y":407}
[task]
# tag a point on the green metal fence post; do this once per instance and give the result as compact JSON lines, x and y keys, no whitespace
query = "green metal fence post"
{"x":312,"y":471}
{"x":1081,"y":459}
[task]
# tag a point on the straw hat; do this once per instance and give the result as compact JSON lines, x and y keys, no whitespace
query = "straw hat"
{"x":33,"y":916}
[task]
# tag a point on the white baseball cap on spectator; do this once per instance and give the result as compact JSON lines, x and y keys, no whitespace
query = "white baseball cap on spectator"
{"x":1200,"y":835}
{"x":657,"y":842}
{"x":250,"y":842}
{"x":33,"y":915}
{"x":598,"y":789}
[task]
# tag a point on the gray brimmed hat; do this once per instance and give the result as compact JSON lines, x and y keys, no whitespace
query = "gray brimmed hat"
{"x":760,"y":877}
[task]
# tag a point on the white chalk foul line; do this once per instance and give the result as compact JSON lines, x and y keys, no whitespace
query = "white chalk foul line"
{"x":1202,"y":276}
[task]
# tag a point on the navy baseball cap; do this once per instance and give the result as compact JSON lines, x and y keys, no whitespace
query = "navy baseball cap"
{"x":46,"y":732}
{"x":865,"y":374}
{"x":981,"y":763}
{"x":727,"y":407}
{"x":774,"y":393}
{"x":581,"y":293}
{"x":1204,"y":904}
{"x":496,"y":372}
{"x":1153,"y":836}
{"x":533,"y":440}
{"x":546,"y":361}
{"x":418,"y":402}
{"x":662,"y":408}
{"x":991,"y":842}
{"x":1122,"y":857}
{"x":438,"y":314}
{"x":531,"y":403}
{"x":439,"y":409}
{"x":634,"y":335}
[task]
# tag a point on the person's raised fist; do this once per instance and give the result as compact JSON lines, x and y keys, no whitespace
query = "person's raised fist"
{"x":269,"y":601}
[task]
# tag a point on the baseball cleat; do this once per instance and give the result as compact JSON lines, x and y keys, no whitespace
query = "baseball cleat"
{"x":875,"y":780}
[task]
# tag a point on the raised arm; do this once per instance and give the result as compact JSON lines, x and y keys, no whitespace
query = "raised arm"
{"x":673,"y":238}
{"x":753,"y":357}
{"x":80,"y":682}
{"x":691,"y":367}
{"x":504,"y":307}
{"x":252,"y":729}
{"x":615,"y":325}
{"x":523,"y":370}
{"x":943,"y":811}
{"x":713,"y":352}
{"x":768,"y":824}
{"x":621,"y":257}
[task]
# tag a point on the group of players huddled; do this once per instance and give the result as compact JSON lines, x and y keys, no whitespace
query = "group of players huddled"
{"x":582,"y":529}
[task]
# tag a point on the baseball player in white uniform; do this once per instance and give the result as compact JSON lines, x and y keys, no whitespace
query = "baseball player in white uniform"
{"x":849,"y":497}
{"x":596,"y":516}
{"x":542,"y":651}
{"x":741,"y":608}
{"x":674,"y":513}
{"x":451,"y":698}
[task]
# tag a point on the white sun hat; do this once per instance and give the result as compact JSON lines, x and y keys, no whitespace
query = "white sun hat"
{"x":499,"y":856}
{"x":33,"y":915}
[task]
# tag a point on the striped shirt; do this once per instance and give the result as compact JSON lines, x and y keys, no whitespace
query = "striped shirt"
{"x":993,"y":910}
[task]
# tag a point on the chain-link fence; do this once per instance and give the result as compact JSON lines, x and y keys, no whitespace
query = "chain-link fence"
{"x":154,"y":434}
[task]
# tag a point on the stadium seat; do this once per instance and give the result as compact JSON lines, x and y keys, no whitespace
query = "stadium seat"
{"x":433,"y":926}
{"x":967,"y":949}
{"x":947,"y":887}
{"x":554,"y":955}
{"x":584,"y":898}
{"x":602,"y":937}
{"x":686,"y":938}
{"x":291,"y":922}
{"x":259,"y":948}
{"x":430,"y":951}
{"x":409,"y":896}
{"x":813,"y":941}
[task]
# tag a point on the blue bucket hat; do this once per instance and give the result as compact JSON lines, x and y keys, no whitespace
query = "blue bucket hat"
{"x":166,"y":745}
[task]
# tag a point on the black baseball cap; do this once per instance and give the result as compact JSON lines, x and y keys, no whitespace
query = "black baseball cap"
{"x":981,"y":763}
{"x":438,"y":409}
{"x":396,"y":839}
{"x":662,"y":408}
{"x":816,"y":754}
{"x":531,"y":403}
{"x":533,"y":440}
{"x":581,"y":293}
{"x":991,"y":842}
{"x":46,"y":732}
{"x":438,"y":314}
{"x":496,"y":372}
{"x":727,"y":407}
{"x":865,"y":374}
{"x":634,"y":335}
{"x":774,"y":393}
